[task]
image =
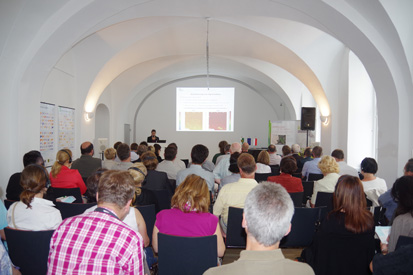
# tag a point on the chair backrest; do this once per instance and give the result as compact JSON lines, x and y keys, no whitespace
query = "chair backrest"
{"x":7,"y":203}
{"x":275,"y":170}
{"x":303,"y":227}
{"x":259,"y":177}
{"x":236,"y":236}
{"x":308,"y":187}
{"x":404,"y":240}
{"x":313,"y":177}
{"x":61,"y":192}
{"x":379,"y":216}
{"x":164,"y":199}
{"x":297,"y":198}
{"x":149,"y":215}
{"x":29,"y":250}
{"x":324,"y":199}
{"x":186,"y":255}
{"x":297,"y":175}
{"x":186,"y":161}
{"x":72,"y":209}
{"x":173,"y":184}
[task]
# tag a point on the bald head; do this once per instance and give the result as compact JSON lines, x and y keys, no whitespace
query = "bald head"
{"x":86,"y":148}
{"x":235,"y":147}
{"x":245,"y":147}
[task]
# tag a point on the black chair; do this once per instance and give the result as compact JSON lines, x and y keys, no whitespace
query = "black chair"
{"x":297,"y":175}
{"x":404,"y":240}
{"x":324,"y":199}
{"x":149,"y":215}
{"x":62,"y":192}
{"x":308,"y":190}
{"x":164,"y":199}
{"x":186,"y":161}
{"x":379,"y":216}
{"x":275,"y":170}
{"x":314,"y":177}
{"x":7,"y":203}
{"x":236,"y":236}
{"x":297,"y":198}
{"x":186,"y":255}
{"x":29,"y":250}
{"x":303,"y":227}
{"x":173,"y":184}
{"x":72,"y":209}
{"x":259,"y":177}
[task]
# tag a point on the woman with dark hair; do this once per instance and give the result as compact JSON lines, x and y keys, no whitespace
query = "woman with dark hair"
{"x":221,"y":146}
{"x":292,"y":184}
{"x":189,"y":216}
{"x":373,"y":186}
{"x":142,"y":196}
{"x":33,"y":212}
{"x":158,"y":152}
{"x":155,"y":180}
{"x":344,"y":243}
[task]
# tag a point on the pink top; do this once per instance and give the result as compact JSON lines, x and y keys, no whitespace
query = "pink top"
{"x":193,"y":224}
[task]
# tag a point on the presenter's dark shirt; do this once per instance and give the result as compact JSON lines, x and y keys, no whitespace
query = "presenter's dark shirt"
{"x":149,"y":139}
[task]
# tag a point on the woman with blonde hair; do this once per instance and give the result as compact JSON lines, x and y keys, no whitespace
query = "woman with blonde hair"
{"x":142,"y":195}
{"x":263,"y":161}
{"x":33,"y":212}
{"x":62,"y":176}
{"x":189,"y":216}
{"x":109,"y":162}
{"x":330,"y":169}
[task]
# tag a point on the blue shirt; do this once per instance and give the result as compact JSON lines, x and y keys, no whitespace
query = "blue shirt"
{"x":387,"y":201}
{"x":3,"y":216}
{"x":311,"y":167}
{"x":196,"y":170}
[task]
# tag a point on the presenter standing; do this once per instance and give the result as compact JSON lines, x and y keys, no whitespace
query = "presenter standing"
{"x":153,"y":138}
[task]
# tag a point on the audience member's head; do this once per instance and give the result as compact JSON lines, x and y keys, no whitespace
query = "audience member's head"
{"x":263,"y":157}
{"x":115,"y":146}
{"x":142,"y":149}
{"x":246,"y":164}
{"x":144,"y":143}
{"x":221,"y":146}
{"x":173,"y":145}
{"x":369,"y":165}
{"x":149,"y":160}
{"x":338,"y":154}
{"x":170,"y":153}
{"x":349,"y":198}
{"x":268,"y":212}
{"x":86,"y":148}
{"x":235,"y":147}
{"x":227,"y":149}
{"x":116,"y":188}
{"x":157,"y":149}
{"x":199,"y":154}
{"x":110,"y":153}
{"x":192,"y":195}
{"x":233,"y":167}
{"x":288,"y":165}
{"x":134,"y":147}
{"x":33,"y":181}
{"x":245,"y":147}
{"x":92,"y":183}
{"x":123,"y":152}
{"x":295,"y":148}
{"x":151,"y":148}
{"x":33,"y":157}
{"x":138,"y":172}
{"x":317,"y":152}
{"x":402,"y":193}
{"x":272,"y":149}
{"x":408,"y":168}
{"x":286,"y":150}
{"x":328,"y":165}
{"x":308,"y":152}
{"x":63,"y":157}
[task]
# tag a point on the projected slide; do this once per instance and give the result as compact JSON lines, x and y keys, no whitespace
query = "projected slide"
{"x":200,"y":109}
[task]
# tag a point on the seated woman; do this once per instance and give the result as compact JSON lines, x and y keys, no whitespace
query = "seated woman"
{"x":189,"y":216}
{"x":344,"y":243}
{"x":402,"y":192}
{"x":142,"y":196}
{"x":109,"y":162}
{"x":158,"y":152}
{"x":92,"y":185}
{"x":155,"y":180}
{"x":373,"y":186}
{"x":62,"y":176}
{"x":330,"y":169}
{"x":292,"y":184}
{"x":33,"y":212}
{"x":221,"y":146}
{"x":263,"y":161}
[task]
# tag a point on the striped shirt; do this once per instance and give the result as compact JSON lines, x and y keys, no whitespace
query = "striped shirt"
{"x":95,"y":243}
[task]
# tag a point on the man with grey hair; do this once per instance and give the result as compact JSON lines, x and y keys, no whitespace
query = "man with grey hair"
{"x":221,"y":169}
{"x":295,"y":149}
{"x":267,"y":219}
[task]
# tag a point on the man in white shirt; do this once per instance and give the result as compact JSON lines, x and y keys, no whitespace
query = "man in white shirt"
{"x":345,"y":169}
{"x":221,"y":169}
{"x":274,"y":158}
{"x":168,"y":165}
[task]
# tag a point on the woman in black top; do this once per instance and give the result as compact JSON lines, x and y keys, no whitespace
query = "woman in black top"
{"x":142,"y":196}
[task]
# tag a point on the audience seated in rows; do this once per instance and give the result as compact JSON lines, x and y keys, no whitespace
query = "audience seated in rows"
{"x":221,"y":169}
{"x":14,"y":188}
{"x":109,"y":162}
{"x":86,"y":164}
{"x":221,"y":146}
{"x":311,"y":167}
{"x":291,"y":184}
{"x":33,"y":212}
{"x":124,"y":155}
{"x":189,"y":216}
{"x":109,"y":246}
{"x":345,"y":169}
{"x":295,"y":149}
{"x":168,"y":165}
{"x":274,"y":158}
{"x":233,"y":168}
{"x":344,"y":243}
{"x":234,"y":194}
{"x":329,"y":168}
{"x":373,"y":186}
{"x":61,"y":176}
{"x":199,"y":154}
{"x":142,"y":195}
{"x":269,"y":207}
{"x":263,"y":161}
{"x":155,"y":180}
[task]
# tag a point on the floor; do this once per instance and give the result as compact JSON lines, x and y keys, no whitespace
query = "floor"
{"x":232,"y":254}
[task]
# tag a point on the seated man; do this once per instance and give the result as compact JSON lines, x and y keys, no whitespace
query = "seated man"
{"x":234,"y":194}
{"x":168,"y":165}
{"x":99,"y":242}
{"x":345,"y":169}
{"x":221,"y":170}
{"x":311,"y":167}
{"x":267,"y":219}
{"x":86,"y":164}
{"x":124,"y":155}
{"x":274,"y":158}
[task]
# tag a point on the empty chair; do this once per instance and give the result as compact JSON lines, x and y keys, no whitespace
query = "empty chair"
{"x":297,"y":198}
{"x":314,"y":177}
{"x":275,"y":170}
{"x":186,"y":255}
{"x":303,"y":227}
{"x":29,"y":250}
{"x":72,"y":209}
{"x":236,"y":236}
{"x":149,"y":215}
{"x":324,"y":199}
{"x":308,"y":190}
{"x":62,"y":192}
{"x":164,"y":199}
{"x":262,"y":177}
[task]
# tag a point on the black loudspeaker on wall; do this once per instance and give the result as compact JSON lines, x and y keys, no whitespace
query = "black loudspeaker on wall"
{"x":307,"y":118}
